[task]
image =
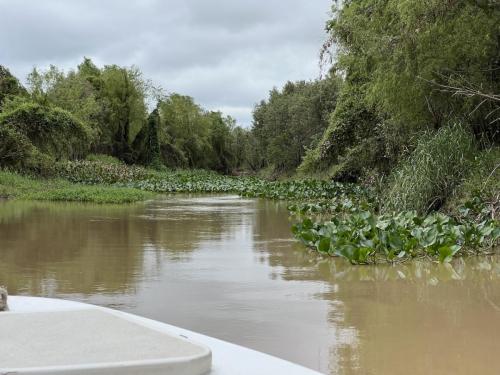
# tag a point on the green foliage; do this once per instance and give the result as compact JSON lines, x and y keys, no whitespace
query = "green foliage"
{"x":243,"y":147}
{"x":185,"y":128}
{"x":90,"y":194}
{"x":291,"y":121}
{"x":220,"y":138}
{"x":191,"y":137}
{"x":202,"y":181}
{"x":9,"y":85}
{"x":395,"y":46}
{"x":15,"y":148}
{"x":440,"y":162}
{"x":482,"y":184}
{"x":350,"y":123}
{"x":52,"y":131}
{"x":103,"y":111}
{"x":363,"y":237}
{"x":76,"y":94}
{"x":40,"y":83}
{"x":100,"y":172}
{"x":394,"y":55}
{"x":124,"y":92}
{"x":110,"y":101}
{"x":189,"y":181}
{"x":146,"y":145}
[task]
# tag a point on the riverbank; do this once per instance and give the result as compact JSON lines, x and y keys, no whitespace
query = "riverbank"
{"x":15,"y":186}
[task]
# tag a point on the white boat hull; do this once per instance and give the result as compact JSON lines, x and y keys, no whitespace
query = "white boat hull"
{"x":226,"y":358}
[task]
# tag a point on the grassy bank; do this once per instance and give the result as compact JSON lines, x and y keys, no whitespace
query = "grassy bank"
{"x":15,"y":186}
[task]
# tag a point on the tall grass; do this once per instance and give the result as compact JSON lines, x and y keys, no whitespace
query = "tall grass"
{"x":440,"y":162}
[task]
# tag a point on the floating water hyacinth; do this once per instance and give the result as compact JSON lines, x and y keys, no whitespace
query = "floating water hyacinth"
{"x":363,"y":237}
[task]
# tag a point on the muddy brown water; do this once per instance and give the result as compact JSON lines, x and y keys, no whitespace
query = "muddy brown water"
{"x":228,"y":267}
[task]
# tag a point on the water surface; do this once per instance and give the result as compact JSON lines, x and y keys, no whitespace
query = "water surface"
{"x":227,"y":267}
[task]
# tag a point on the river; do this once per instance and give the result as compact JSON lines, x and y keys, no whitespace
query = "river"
{"x":229,"y":268}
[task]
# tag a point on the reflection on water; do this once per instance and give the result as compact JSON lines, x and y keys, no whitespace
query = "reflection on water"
{"x":227,"y":267}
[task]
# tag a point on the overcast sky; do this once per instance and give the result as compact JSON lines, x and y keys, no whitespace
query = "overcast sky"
{"x":227,"y":54}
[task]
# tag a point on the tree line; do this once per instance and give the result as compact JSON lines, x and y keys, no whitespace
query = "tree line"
{"x":59,"y":116}
{"x":398,"y":70}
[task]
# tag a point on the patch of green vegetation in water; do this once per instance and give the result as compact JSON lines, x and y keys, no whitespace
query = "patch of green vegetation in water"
{"x":355,"y":232}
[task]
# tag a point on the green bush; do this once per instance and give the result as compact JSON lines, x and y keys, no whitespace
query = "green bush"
{"x":40,"y":164}
{"x":18,"y":153}
{"x":482,"y":184}
{"x":357,"y":161}
{"x":15,"y":148}
{"x":439,"y":163}
{"x":52,"y":131}
{"x":350,"y":123}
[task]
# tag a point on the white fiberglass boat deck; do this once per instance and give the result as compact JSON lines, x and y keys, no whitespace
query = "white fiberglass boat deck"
{"x":47,"y":336}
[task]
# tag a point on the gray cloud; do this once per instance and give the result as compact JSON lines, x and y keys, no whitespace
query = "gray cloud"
{"x":227,"y":54}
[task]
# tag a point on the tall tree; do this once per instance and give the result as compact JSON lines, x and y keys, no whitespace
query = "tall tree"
{"x":124,"y":94}
{"x":9,"y":85}
{"x":292,"y":120}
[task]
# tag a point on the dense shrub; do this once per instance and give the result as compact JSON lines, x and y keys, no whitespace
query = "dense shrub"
{"x":429,"y":176}
{"x":39,"y":164}
{"x":52,"y":131}
{"x":350,"y":123}
{"x":481,"y":186}
{"x":18,"y":153}
{"x":172,"y":156}
{"x":357,"y":161}
{"x":15,"y":148}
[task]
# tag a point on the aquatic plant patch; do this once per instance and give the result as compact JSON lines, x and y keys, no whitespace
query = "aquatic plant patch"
{"x":363,"y":237}
{"x":199,"y":181}
{"x":98,"y":172}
